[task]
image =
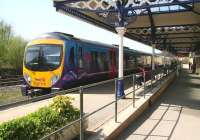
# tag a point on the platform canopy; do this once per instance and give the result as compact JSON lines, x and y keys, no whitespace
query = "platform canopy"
{"x":173,"y":25}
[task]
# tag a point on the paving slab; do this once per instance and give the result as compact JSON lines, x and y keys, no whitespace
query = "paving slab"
{"x":111,"y":129}
{"x":188,"y":127}
{"x":146,"y":127}
{"x":175,"y":116}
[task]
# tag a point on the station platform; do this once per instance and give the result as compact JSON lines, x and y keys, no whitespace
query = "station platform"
{"x":94,"y":98}
{"x":175,"y":116}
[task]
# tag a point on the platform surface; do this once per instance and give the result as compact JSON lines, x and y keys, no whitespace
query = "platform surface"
{"x":175,"y":116}
{"x":94,"y":98}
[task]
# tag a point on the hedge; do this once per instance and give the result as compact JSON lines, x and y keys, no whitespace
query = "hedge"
{"x":42,"y":122}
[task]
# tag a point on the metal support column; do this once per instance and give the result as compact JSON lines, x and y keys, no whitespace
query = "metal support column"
{"x":151,"y":80}
{"x":116,"y":100}
{"x":81,"y":114}
{"x":153,"y":54}
{"x":144,"y":74}
{"x":134,"y":78}
{"x":120,"y":83}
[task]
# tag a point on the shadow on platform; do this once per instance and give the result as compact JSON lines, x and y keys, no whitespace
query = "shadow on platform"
{"x":160,"y":121}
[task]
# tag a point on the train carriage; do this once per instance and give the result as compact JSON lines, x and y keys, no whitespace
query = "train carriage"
{"x":60,"y":61}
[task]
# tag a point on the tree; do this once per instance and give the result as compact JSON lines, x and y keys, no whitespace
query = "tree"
{"x":15,"y":53}
{"x":5,"y":36}
{"x":11,"y":49}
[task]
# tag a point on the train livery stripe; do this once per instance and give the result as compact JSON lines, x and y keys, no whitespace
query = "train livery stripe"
{"x":46,"y":41}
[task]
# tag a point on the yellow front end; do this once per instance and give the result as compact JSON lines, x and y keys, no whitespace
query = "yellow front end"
{"x":43,"y":79}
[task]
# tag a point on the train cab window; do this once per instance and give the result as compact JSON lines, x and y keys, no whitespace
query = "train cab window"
{"x":43,"y":57}
{"x":71,"y":57}
{"x":80,"y":57}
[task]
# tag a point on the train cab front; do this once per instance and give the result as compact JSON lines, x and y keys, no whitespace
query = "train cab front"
{"x":43,"y":65}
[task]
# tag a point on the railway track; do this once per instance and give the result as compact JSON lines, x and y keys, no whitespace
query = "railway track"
{"x":11,"y":80}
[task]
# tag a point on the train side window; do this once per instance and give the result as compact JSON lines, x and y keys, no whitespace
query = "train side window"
{"x":125,"y":60}
{"x":130,"y":62}
{"x":110,"y":58}
{"x":94,"y":64}
{"x":140,"y":61}
{"x":103,"y":61}
{"x":80,"y":57}
{"x":114,"y":57}
{"x":71,"y":57}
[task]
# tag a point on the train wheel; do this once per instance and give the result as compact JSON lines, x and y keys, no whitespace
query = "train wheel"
{"x":24,"y":91}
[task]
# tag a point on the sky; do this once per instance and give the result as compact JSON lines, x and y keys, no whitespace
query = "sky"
{"x":30,"y":18}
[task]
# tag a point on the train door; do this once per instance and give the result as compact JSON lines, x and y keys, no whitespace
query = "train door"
{"x":112,"y":56}
{"x":81,"y":64}
{"x":94,"y":62}
{"x":71,"y":54}
{"x":80,"y":57}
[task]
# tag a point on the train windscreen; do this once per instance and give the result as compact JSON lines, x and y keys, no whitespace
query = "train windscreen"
{"x":43,"y":57}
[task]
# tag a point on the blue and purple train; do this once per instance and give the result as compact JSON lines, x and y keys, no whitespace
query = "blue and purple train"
{"x":59,"y":61}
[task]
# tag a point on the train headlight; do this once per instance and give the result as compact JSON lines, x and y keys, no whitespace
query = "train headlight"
{"x":54,"y":79}
{"x":27,"y":78}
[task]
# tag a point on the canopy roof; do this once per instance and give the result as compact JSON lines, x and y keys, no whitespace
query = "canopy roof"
{"x":172,"y":25}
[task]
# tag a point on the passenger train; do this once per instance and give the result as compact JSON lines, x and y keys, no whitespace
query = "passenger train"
{"x":59,"y":61}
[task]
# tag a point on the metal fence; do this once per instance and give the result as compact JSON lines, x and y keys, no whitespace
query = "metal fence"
{"x":149,"y":80}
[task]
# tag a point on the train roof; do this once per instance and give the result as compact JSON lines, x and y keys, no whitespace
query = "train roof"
{"x":64,"y":36}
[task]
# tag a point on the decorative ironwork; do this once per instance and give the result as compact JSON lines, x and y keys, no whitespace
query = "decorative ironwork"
{"x":113,"y":18}
{"x":167,"y":30}
{"x":111,"y":4}
{"x":94,"y":4}
{"x":113,"y":13}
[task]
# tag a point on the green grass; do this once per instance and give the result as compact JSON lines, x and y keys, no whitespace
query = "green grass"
{"x":10,"y":95}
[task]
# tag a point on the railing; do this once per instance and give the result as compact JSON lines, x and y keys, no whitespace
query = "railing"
{"x":156,"y":77}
